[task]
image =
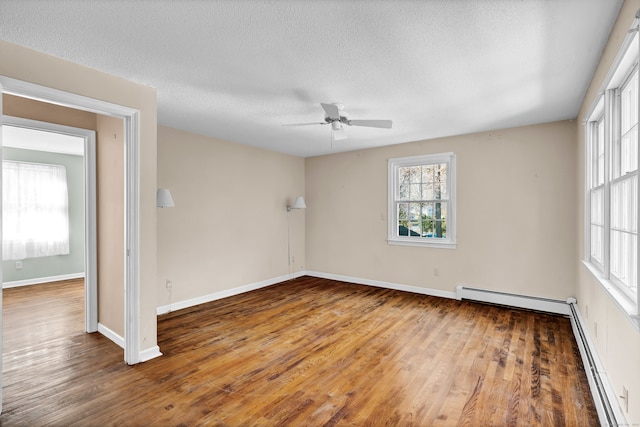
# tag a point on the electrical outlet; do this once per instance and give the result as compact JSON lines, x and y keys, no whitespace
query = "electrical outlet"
{"x":436,"y":272}
{"x":18,"y":265}
{"x":625,"y":399}
{"x":169,"y":284}
{"x":586,"y":311}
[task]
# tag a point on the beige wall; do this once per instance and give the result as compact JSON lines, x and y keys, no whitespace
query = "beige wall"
{"x":616,"y":339}
{"x":28,"y":65}
{"x":229,"y":225}
{"x":30,"y":109}
{"x":515,"y":208}
{"x":110,"y":159}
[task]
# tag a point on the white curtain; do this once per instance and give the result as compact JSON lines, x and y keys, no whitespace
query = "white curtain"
{"x":35,"y":210}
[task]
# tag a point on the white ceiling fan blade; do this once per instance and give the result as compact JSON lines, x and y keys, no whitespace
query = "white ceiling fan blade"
{"x":331,"y":110}
{"x":305,"y":124}
{"x":386,"y":124}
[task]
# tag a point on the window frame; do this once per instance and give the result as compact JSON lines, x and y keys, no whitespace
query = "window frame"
{"x":607,"y":107}
{"x":449,"y":242}
{"x":594,"y":184}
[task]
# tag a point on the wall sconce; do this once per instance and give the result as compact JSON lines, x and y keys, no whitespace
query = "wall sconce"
{"x":297,"y":204}
{"x":164,"y":199}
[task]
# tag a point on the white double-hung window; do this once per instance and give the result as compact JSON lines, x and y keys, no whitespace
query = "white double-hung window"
{"x":422,"y":200}
{"x":611,"y":167}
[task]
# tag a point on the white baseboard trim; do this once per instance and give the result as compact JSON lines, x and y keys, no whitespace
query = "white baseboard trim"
{"x":145,"y":355}
{"x":111,"y":335}
{"x":513,"y":300}
{"x":150,"y":353}
{"x":380,"y":284}
{"x":39,"y":280}
{"x":224,"y":294}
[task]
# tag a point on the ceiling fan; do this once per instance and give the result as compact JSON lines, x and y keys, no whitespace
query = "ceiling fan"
{"x":334,"y":117}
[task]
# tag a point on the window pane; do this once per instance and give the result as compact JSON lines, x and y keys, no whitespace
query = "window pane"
{"x":597,"y":206}
{"x":434,"y":220}
{"x":427,"y":218}
{"x":440,"y":191}
{"x":629,"y":104}
{"x":415,"y":228}
{"x":599,"y":151}
{"x":625,"y":151}
{"x":427,"y":173}
{"x":597,"y":242}
{"x":440,"y":182}
{"x":624,"y":211}
{"x":629,"y":151}
{"x":404,"y":175}
{"x":403,"y":209}
{"x":441,"y":220}
{"x":427,"y":192}
{"x":403,"y":219}
{"x":415,"y":192}
{"x":414,"y":211}
{"x":404,"y":192}
{"x":415,"y":174}
{"x":624,"y":264}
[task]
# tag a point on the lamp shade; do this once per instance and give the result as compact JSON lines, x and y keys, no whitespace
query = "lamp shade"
{"x":299,"y":203}
{"x":164,"y":199}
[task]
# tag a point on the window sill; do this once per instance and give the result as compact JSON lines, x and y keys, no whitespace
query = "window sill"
{"x":439,"y":245}
{"x":619,"y":298}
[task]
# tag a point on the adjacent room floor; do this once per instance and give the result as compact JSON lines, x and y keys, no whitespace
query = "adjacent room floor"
{"x":305,"y":352}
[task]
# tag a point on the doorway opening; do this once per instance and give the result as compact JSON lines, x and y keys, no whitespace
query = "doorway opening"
{"x":131,"y":136}
{"x":73,"y":149}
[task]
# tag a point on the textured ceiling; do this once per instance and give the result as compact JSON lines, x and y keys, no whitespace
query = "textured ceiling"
{"x":240,"y":70}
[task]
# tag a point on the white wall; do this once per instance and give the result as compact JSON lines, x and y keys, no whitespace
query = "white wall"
{"x":515,"y":209}
{"x":616,"y":340}
{"x":229,"y":226}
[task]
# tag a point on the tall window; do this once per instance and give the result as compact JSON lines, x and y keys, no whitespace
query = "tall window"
{"x":421,"y":200}
{"x":624,"y":189}
{"x":612,"y":181}
{"x":35,"y":210}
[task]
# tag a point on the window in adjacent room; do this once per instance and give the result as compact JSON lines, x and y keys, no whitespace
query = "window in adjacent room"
{"x":422,"y":200}
{"x":611,"y":208}
{"x":35,"y":210}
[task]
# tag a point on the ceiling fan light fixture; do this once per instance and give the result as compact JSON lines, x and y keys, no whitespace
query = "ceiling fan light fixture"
{"x":339,"y":134}
{"x":336,"y":125}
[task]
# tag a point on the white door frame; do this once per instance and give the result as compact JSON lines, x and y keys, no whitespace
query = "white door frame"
{"x":90,"y":220}
{"x":131,"y":119}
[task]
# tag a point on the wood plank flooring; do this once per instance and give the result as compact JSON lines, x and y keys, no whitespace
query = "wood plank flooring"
{"x":308,"y":352}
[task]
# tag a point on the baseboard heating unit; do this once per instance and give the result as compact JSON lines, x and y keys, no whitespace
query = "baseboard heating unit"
{"x":609,"y":409}
{"x":512,"y":300}
{"x":604,"y":398}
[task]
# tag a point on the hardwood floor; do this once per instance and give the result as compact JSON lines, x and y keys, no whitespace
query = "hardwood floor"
{"x":308,"y":352}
